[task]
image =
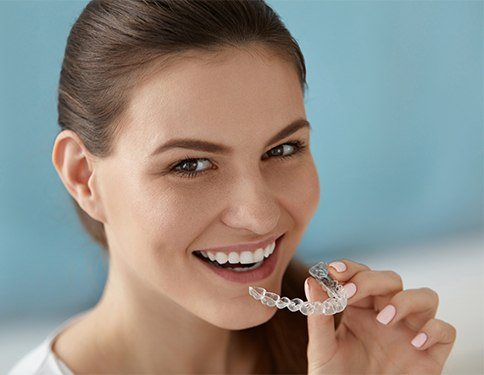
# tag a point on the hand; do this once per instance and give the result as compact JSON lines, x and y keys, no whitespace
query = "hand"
{"x":360,"y":343}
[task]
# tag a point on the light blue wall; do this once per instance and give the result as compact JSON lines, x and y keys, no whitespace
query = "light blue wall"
{"x":395,"y":99}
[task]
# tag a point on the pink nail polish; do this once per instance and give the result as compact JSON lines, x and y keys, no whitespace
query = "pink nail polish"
{"x":419,"y":340}
{"x":350,"y":289}
{"x":338,"y":266}
{"x":386,"y":314}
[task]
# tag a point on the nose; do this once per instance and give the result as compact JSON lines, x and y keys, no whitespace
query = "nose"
{"x":252,"y":205}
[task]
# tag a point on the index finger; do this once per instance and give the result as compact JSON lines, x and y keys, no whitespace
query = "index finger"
{"x":345,"y":269}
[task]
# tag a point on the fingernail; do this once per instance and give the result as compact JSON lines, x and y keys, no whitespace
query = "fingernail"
{"x":338,"y":266}
{"x":386,"y":314}
{"x":350,"y":289}
{"x":306,"y":288}
{"x":419,"y":340}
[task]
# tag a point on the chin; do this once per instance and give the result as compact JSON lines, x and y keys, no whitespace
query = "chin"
{"x":252,"y":316}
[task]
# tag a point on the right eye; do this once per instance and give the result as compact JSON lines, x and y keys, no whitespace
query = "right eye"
{"x":188,"y":167}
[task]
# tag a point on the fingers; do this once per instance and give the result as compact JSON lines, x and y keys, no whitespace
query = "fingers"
{"x":437,"y":337}
{"x":321,"y":331}
{"x":367,"y":283}
{"x":414,"y":306}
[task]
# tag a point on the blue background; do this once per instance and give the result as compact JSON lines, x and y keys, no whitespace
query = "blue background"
{"x":395,"y":99}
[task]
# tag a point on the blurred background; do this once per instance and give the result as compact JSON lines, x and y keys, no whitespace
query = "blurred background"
{"x":396,"y":103}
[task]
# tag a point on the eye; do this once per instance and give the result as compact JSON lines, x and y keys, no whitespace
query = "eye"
{"x":189,"y":167}
{"x":281,"y":150}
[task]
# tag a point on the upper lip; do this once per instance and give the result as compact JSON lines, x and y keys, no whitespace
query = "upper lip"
{"x":247,"y":246}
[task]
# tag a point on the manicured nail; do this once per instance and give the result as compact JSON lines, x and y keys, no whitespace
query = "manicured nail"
{"x":419,"y":340}
{"x":350,"y":289}
{"x":338,"y":266}
{"x":306,"y":288}
{"x":386,"y":314}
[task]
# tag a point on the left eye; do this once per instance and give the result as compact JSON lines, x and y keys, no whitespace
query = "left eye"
{"x":281,"y":149}
{"x":188,"y":167}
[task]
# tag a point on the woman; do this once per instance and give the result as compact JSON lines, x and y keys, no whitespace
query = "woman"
{"x":183,"y":129}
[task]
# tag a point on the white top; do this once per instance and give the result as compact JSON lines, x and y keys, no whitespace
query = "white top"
{"x":42,"y":360}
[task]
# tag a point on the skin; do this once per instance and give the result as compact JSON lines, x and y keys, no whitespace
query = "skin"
{"x":158,"y":298}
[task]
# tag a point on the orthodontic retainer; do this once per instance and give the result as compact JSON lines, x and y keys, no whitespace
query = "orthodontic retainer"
{"x":334,"y":304}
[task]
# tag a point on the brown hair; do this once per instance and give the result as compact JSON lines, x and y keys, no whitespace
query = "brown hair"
{"x":114,"y":45}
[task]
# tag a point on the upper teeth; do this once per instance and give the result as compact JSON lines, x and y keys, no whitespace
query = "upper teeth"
{"x":245,"y":257}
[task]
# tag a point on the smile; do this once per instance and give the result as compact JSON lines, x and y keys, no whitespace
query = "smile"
{"x":244,"y":266}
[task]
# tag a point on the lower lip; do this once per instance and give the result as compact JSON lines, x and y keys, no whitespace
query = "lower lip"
{"x":264,"y":271}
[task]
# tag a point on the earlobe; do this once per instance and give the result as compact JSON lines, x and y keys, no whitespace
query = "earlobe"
{"x":74,"y":167}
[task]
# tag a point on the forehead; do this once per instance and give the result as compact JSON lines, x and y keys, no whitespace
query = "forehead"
{"x":234,"y":94}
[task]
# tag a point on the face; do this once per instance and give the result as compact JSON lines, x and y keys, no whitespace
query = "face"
{"x":157,"y":215}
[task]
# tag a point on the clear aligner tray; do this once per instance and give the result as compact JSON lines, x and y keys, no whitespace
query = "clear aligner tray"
{"x":334,"y":304}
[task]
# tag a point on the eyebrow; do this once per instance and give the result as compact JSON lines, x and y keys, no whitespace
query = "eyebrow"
{"x":196,"y":144}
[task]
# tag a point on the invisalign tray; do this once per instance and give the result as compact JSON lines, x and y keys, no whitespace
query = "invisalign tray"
{"x":334,"y":304}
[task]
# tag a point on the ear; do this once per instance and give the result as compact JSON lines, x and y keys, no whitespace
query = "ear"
{"x":75,"y":166}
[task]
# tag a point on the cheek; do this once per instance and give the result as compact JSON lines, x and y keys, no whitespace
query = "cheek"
{"x":152,"y":224}
{"x":299,"y":190}
{"x":149,"y":217}
{"x":170,"y":214}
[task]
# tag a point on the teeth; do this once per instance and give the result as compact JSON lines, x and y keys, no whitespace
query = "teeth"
{"x":245,"y":269}
{"x":233,"y":257}
{"x":246,"y":257}
{"x":259,"y":255}
{"x":211,"y":255}
{"x":269,"y":249}
{"x":221,"y":257}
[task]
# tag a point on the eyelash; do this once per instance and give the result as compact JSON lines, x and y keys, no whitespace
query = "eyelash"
{"x":298,"y":145}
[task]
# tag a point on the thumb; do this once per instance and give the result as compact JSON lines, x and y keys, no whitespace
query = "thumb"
{"x":322,"y":343}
